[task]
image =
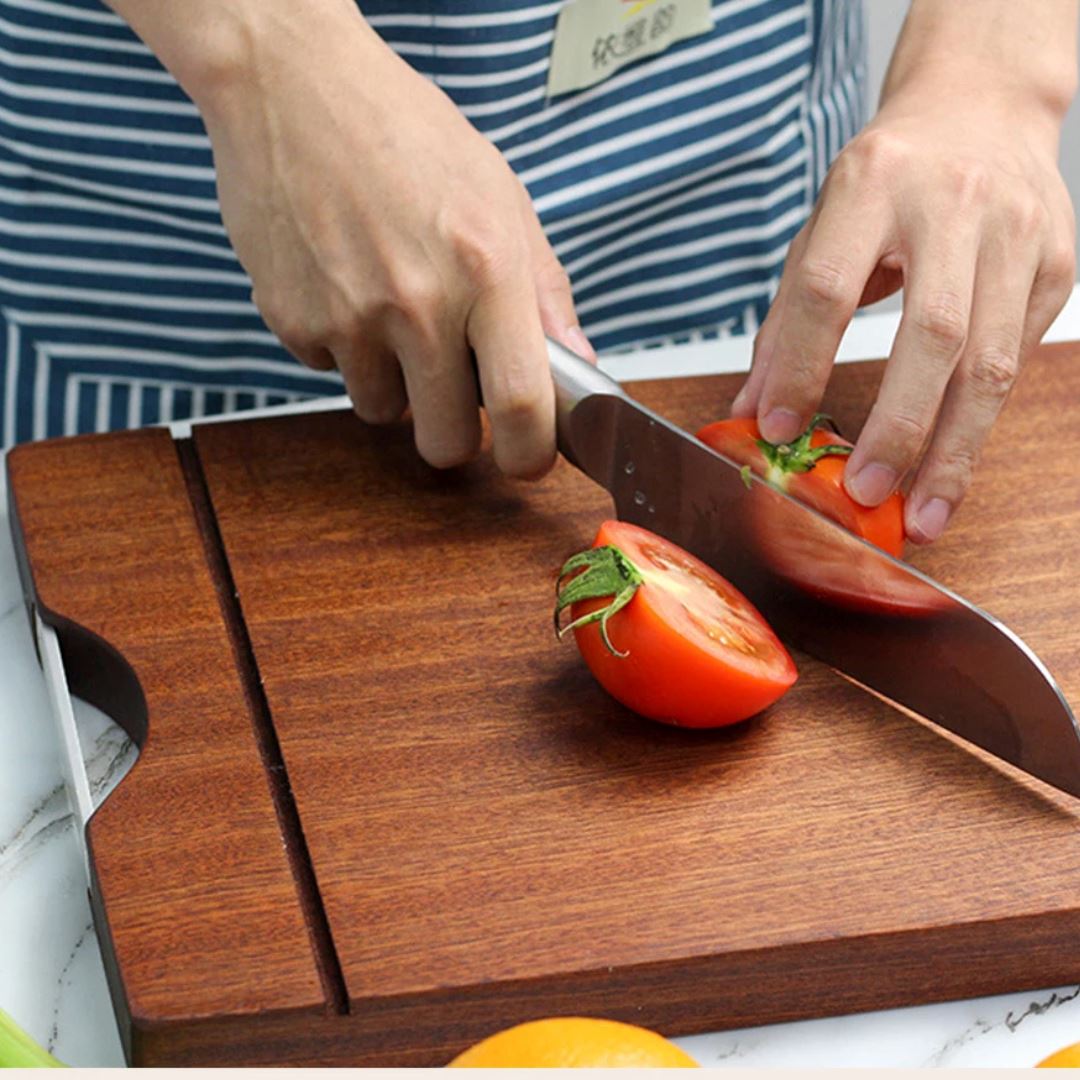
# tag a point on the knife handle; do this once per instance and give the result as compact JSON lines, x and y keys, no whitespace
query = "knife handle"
{"x":575,"y":379}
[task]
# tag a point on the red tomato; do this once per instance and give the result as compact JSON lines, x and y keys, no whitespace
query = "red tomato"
{"x":799,"y":547}
{"x":689,"y":648}
{"x":817,"y":482}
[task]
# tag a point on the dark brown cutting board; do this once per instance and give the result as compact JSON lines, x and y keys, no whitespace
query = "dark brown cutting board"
{"x":380,"y":813}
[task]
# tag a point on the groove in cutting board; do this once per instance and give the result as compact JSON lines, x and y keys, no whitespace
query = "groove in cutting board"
{"x":296,"y":848}
{"x":198,"y":905}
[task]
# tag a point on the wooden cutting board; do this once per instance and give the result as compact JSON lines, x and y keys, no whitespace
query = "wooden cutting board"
{"x":380,"y":813}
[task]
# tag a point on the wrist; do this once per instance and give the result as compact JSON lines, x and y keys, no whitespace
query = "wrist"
{"x":221,"y":49}
{"x":970,"y":51}
{"x":1043,"y":97}
{"x":1033,"y":110}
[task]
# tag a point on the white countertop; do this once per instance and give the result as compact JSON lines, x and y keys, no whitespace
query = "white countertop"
{"x":51,"y":976}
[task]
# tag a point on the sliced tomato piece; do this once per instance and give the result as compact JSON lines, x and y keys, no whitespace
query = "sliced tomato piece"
{"x":811,"y":469}
{"x":800,"y":548}
{"x":803,"y":550}
{"x":668,"y":636}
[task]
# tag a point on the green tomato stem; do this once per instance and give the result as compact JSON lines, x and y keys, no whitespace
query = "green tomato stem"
{"x":598,"y":572}
{"x":19,"y":1051}
{"x":798,"y":456}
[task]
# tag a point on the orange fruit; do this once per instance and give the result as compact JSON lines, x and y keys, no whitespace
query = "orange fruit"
{"x":1069,"y":1058}
{"x":574,"y":1042}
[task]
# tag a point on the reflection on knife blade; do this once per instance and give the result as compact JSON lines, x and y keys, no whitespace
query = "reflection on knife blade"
{"x":825,"y":591}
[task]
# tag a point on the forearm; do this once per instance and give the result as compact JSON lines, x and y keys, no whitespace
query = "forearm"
{"x":213,"y":45}
{"x":967,"y":46}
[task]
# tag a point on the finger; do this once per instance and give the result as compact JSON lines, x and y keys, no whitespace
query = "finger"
{"x":320,"y":359}
{"x":294,"y":335}
{"x":826,"y":284}
{"x":316,"y":357}
{"x":553,"y":292}
{"x":884,"y":280}
{"x":976,"y":393}
{"x":928,"y":344}
{"x":1052,"y":288}
{"x":441,"y":388}
{"x":505,"y":332}
{"x":746,"y":401}
{"x":374,"y":383}
{"x":1014,"y":305}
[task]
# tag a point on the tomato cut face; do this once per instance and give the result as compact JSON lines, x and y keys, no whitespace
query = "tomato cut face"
{"x":808,"y":473}
{"x":686,"y":648}
{"x":707,"y":608}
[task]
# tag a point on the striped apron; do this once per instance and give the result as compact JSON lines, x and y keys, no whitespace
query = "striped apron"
{"x":670,"y":192}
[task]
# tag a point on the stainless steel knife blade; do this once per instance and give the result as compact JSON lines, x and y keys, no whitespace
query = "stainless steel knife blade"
{"x":825,"y":591}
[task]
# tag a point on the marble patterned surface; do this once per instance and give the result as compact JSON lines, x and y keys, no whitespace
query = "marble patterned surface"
{"x":51,"y":975}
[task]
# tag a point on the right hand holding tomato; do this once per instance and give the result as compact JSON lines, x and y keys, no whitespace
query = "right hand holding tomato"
{"x":811,"y":469}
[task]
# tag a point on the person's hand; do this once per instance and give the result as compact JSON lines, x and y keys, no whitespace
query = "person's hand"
{"x":385,"y":236}
{"x":953,"y":192}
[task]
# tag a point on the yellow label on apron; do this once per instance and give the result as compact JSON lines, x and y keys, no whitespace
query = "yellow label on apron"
{"x":595,"y":38}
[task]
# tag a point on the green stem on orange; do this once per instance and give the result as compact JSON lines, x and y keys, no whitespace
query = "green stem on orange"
{"x":19,"y":1051}
{"x":598,"y":572}
{"x":799,"y":456}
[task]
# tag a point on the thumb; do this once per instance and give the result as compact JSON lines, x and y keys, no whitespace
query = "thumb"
{"x":553,"y":295}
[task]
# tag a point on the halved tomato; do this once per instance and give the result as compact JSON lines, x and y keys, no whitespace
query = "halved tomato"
{"x":668,"y":636}
{"x":811,"y":469}
{"x":800,"y":548}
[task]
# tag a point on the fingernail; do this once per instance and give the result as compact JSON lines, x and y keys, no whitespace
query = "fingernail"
{"x":872,"y":484}
{"x":575,"y":340}
{"x":740,"y":401}
{"x":781,"y":426}
{"x":931,"y":520}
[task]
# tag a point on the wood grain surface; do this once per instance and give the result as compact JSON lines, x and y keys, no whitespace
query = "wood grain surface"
{"x":192,"y":877}
{"x":492,"y":838}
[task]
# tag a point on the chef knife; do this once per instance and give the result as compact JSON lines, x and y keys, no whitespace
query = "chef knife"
{"x":875,"y":619}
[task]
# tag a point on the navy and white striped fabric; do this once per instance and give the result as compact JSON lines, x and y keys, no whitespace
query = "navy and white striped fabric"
{"x":670,"y":192}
